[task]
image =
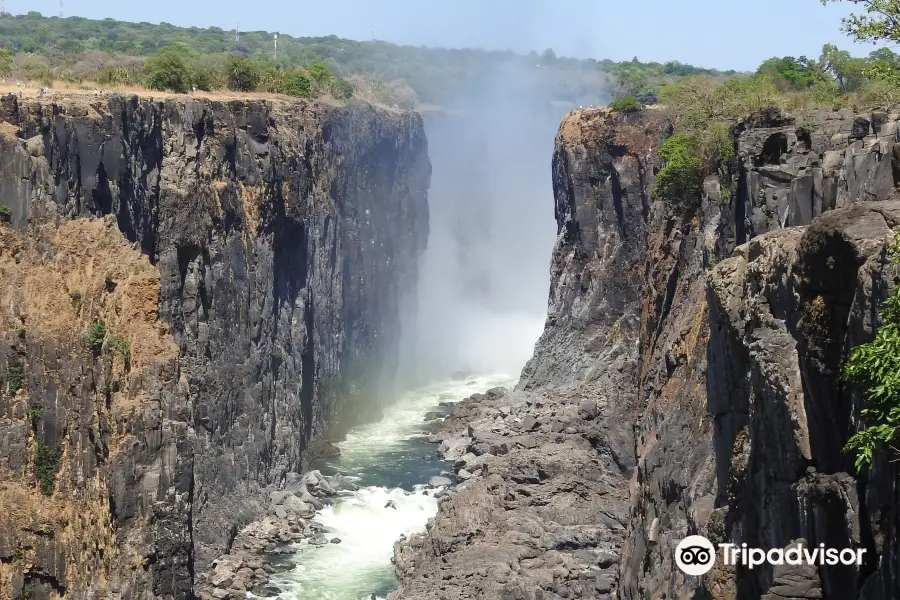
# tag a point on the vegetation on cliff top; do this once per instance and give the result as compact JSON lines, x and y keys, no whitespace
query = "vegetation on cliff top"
{"x":113,"y":53}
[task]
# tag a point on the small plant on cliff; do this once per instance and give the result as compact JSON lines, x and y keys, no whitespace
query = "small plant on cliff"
{"x":628,"y":104}
{"x":34,"y":415}
{"x":680,"y":181}
{"x":96,"y":332}
{"x":76,"y":298}
{"x":5,"y":214}
{"x":45,"y":465}
{"x":875,"y":368}
{"x":15,"y":375}
{"x":121,"y":346}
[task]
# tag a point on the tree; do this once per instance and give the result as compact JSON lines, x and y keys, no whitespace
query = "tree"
{"x":875,"y":368}
{"x":243,"y":74}
{"x":169,"y":70}
{"x":548,"y":57}
{"x":881,"y":21}
{"x":847,"y":71}
{"x":341,"y":88}
{"x":628,"y":104}
{"x":6,"y":63}
{"x":297,"y":84}
{"x":797,"y":73}
{"x":319,"y":73}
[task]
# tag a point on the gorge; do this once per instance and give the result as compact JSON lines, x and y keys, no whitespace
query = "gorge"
{"x":254,"y":265}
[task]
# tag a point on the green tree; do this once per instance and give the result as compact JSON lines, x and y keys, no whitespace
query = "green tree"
{"x":880,"y":23}
{"x":243,"y":74}
{"x":297,"y":84}
{"x":875,"y":367}
{"x":797,"y":73}
{"x":169,"y":70}
{"x":341,"y":88}
{"x":6,"y":63}
{"x":628,"y":104}
{"x":680,"y":181}
{"x":319,"y":74}
{"x":847,"y":71}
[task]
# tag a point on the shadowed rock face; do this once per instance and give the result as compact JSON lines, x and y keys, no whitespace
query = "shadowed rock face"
{"x":279,"y":239}
{"x":710,"y":383}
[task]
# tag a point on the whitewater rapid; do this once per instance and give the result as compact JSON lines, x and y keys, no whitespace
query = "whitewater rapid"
{"x":391,"y":461}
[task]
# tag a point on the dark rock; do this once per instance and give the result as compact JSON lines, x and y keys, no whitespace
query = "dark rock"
{"x":273,"y":241}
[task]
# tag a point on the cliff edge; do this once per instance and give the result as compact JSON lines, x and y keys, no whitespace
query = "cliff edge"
{"x":192,"y":292}
{"x":687,"y":380}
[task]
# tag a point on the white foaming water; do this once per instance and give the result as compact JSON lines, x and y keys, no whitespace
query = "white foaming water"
{"x":390,"y":452}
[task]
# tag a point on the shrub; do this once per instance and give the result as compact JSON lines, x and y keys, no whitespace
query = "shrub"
{"x":5,"y":214}
{"x":76,"y":298}
{"x":168,"y":70}
{"x":34,"y":415}
{"x":243,"y":74}
{"x":15,"y":375}
{"x":121,"y":346}
{"x":628,"y":104}
{"x":297,"y":84}
{"x":680,"y":181}
{"x":96,"y":332}
{"x":115,"y":75}
{"x":875,"y":368}
{"x":341,"y":88}
{"x":45,"y":466}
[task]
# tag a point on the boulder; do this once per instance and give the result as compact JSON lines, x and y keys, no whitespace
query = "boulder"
{"x":439,"y":481}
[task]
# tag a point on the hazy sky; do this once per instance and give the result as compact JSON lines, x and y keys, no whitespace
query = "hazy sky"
{"x":711,"y":33}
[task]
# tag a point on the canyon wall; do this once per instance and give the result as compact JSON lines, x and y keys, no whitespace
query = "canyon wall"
{"x":687,"y":380}
{"x":192,"y":292}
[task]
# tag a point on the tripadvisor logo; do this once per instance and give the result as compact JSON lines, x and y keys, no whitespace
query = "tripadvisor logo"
{"x":696,"y":555}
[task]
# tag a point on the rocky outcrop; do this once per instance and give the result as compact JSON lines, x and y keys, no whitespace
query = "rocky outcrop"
{"x":247,"y":260}
{"x":715,"y":380}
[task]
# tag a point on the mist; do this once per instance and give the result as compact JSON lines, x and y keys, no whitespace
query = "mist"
{"x":484,"y":279}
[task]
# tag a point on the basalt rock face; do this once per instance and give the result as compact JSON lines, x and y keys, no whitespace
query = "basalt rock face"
{"x":710,"y":383}
{"x":249,"y":261}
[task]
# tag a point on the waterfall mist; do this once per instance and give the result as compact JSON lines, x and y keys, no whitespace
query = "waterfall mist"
{"x":484,"y":279}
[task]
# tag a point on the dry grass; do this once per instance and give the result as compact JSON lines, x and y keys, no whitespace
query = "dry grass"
{"x":86,"y":91}
{"x":61,"y":294}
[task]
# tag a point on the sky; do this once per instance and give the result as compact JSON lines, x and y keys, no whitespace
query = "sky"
{"x":710,"y":33}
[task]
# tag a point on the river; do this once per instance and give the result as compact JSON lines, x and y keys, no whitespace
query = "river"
{"x":388,"y":460}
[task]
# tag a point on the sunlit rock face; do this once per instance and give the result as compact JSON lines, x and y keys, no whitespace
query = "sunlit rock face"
{"x":253,"y":255}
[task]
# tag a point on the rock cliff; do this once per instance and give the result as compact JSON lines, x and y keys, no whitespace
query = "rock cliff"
{"x":192,"y":291}
{"x":687,"y":380}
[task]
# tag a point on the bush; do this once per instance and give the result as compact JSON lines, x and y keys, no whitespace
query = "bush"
{"x":341,"y":88}
{"x":168,"y":70}
{"x":243,"y":75}
{"x":297,"y":84}
{"x":5,"y":214}
{"x":680,"y":181}
{"x":96,"y":333}
{"x":6,"y":63}
{"x":15,"y":375}
{"x":875,"y":368}
{"x":628,"y":104}
{"x":115,"y":76}
{"x":45,"y":466}
{"x":121,"y":346}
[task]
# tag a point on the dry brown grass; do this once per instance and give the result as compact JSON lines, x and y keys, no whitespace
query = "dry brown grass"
{"x":61,"y":294}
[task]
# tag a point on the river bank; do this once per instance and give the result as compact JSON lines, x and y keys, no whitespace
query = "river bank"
{"x":330,"y":534}
{"x":540,"y":511}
